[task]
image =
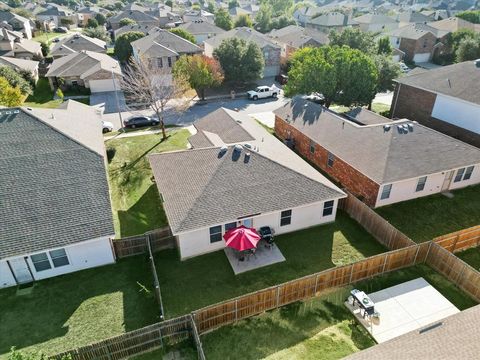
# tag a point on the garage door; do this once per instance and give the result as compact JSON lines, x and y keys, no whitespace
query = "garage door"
{"x":270,"y":71}
{"x":421,"y":58}
{"x":103,"y":85}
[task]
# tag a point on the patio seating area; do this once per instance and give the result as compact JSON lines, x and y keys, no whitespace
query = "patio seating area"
{"x":399,"y":309}
{"x":263,"y":256}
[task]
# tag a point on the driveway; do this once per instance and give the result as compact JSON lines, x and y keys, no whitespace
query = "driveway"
{"x":108,"y":101}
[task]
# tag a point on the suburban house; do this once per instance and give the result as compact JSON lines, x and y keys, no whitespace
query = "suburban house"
{"x":453,"y":24}
{"x":89,"y":12}
{"x":168,"y":18}
{"x":446,"y":99}
{"x":236,"y":12}
{"x":59,"y":15}
{"x":193,"y":15}
{"x":13,"y":44}
{"x":87,"y":69}
{"x":162,"y":48}
{"x":238,"y":174}
{"x":331,"y":21}
{"x":411,"y":17}
{"x":18,"y":23}
{"x":55,"y":200}
{"x":304,"y":14}
{"x":76,"y":43}
{"x":271,"y":51}
{"x":21,"y":65}
{"x":139,"y":17}
{"x":201,"y":29}
{"x":378,"y":160}
{"x":294,"y":37}
{"x":137,"y":28}
{"x":376,"y":22}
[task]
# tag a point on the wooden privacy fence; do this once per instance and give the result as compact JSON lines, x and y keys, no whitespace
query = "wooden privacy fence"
{"x":455,"y":269}
{"x":460,"y":240}
{"x":378,"y":227}
{"x":135,"y":342}
{"x":136,"y":245}
{"x":156,"y":283}
{"x":242,"y":307}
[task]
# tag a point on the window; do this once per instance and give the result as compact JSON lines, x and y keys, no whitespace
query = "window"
{"x":328,"y":207}
{"x":169,"y":62}
{"x":59,"y":257}
{"x":468,"y":173}
{"x":421,"y":183}
{"x":330,"y":160}
{"x":459,"y":175}
{"x":386,"y":192}
{"x":74,"y":82}
{"x":216,"y":234}
{"x":285,"y":217}
{"x":41,"y":262}
{"x":231,"y":225}
{"x":160,"y":62}
{"x":312,"y":147}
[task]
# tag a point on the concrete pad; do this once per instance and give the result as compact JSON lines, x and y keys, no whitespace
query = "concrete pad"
{"x":403,"y":308}
{"x":263,"y":257}
{"x":266,"y":118}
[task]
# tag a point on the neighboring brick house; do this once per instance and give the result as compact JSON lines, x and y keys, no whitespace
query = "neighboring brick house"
{"x":446,"y":99}
{"x":379,"y":160}
{"x":201,"y":30}
{"x":271,"y":51}
{"x":12,"y":44}
{"x":294,"y":37}
{"x":59,"y":15}
{"x":139,"y":17}
{"x":17,"y":23}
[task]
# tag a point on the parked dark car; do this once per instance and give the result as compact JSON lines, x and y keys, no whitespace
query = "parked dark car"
{"x":282,"y":79}
{"x":61,"y":29}
{"x":139,"y":121}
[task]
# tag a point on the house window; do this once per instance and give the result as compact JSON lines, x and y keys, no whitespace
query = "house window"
{"x":328,"y":207}
{"x":59,"y":257}
{"x":330,"y":160}
{"x":160,"y":62}
{"x":40,"y":262}
{"x":285,"y":217}
{"x":231,"y":225}
{"x":169,"y":62}
{"x":216,"y":234}
{"x":74,"y":82}
{"x":468,"y":173}
{"x":312,"y":147}
{"x":459,"y":175}
{"x":421,"y":183}
{"x":386,"y":192}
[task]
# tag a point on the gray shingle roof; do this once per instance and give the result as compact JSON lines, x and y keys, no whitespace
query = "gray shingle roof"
{"x":202,"y":188}
{"x":77,"y":43}
{"x":160,"y":42}
{"x":374,"y":19}
{"x":199,"y":27}
{"x":244,"y":33}
{"x":136,"y":15}
{"x":53,"y":191}
{"x":460,"y":80}
{"x":298,"y":36}
{"x":383,"y":156}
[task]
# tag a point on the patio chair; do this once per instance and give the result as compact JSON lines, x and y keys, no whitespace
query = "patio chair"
{"x":266,"y":232}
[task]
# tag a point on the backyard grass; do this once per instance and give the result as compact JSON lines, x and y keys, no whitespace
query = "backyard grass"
{"x":471,"y":257}
{"x":182,"y":351}
{"x":135,"y":200}
{"x":380,"y":108}
{"x":204,"y":280}
{"x":424,"y":218}
{"x":42,"y":96}
{"x":320,"y":328}
{"x":77,"y":309}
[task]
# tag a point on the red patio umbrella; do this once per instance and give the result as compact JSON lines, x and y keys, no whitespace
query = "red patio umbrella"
{"x":242,"y":238}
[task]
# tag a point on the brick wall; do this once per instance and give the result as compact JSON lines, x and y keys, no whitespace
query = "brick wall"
{"x":412,"y":103}
{"x":348,"y":177}
{"x":423,"y":45}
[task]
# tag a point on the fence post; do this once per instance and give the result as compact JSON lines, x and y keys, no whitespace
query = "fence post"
{"x":236,"y":310}
{"x":455,"y":243}
{"x":351,"y":273}
{"x":385,"y":264}
{"x":278,"y":295}
{"x":428,"y":251}
{"x":316,"y":285}
{"x":416,"y":254}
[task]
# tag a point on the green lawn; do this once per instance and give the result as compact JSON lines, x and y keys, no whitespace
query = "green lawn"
{"x":380,"y":108}
{"x":320,"y":328}
{"x":428,"y":217}
{"x":42,"y":96}
{"x":135,"y":199}
{"x":471,"y":257}
{"x":182,"y":351}
{"x":208,"y":279}
{"x":77,"y":309}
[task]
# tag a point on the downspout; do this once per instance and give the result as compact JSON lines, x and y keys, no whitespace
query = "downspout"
{"x":396,"y":99}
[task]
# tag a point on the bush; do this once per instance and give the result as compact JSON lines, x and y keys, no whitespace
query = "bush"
{"x":15,"y":79}
{"x":184,"y":34}
{"x":59,"y":93}
{"x":92,"y":23}
{"x":123,"y":48}
{"x":127,"y":21}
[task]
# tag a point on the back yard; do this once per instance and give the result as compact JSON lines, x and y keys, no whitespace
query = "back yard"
{"x":471,"y":257}
{"x":77,"y":309}
{"x":320,"y":328}
{"x":135,"y":199}
{"x":425,"y":218}
{"x":207,"y":279}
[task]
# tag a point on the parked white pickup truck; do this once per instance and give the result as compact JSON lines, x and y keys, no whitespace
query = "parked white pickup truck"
{"x":262,"y":92}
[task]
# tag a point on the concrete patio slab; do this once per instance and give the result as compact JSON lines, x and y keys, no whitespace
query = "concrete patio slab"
{"x":403,"y":308}
{"x":263,"y":257}
{"x":266,"y":118}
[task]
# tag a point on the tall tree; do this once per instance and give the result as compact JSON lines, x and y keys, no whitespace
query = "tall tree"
{"x":384,"y":46}
{"x":184,"y":34}
{"x":470,"y":15}
{"x":127,"y":21}
{"x":200,"y":71}
{"x":281,"y":7}
{"x":343,"y":75}
{"x":9,"y":96}
{"x":243,"y":21}
{"x":387,"y":71}
{"x":101,"y":19}
{"x":211,"y":7}
{"x":15,"y":79}
{"x":99,"y":33}
{"x":468,"y":49}
{"x":223,"y":19}
{"x":143,"y":82}
{"x":92,"y":23}
{"x":240,"y":61}
{"x":123,"y":48}
{"x":233,"y":4}
{"x":263,"y":18}
{"x":354,"y":38}
{"x":282,"y":21}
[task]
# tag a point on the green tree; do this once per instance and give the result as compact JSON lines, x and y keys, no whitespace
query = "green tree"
{"x":59,"y":94}
{"x":15,"y":79}
{"x":281,"y":7}
{"x":92,"y":23}
{"x":200,"y":71}
{"x":45,"y":48}
{"x":169,"y":3}
{"x":354,"y":38}
{"x":14,"y":3}
{"x":9,"y":96}
{"x":282,"y":21}
{"x":468,"y":49}
{"x":243,"y":21}
{"x":196,"y":7}
{"x":470,"y":15}
{"x":240,"y":61}
{"x":387,"y":71}
{"x":101,"y":19}
{"x":23,"y":12}
{"x":263,"y":18}
{"x":223,"y":19}
{"x":454,"y":39}
{"x":123,"y":48}
{"x":98,"y":33}
{"x":384,"y":46}
{"x":118,"y":5}
{"x":184,"y":34}
{"x":233,"y":4}
{"x":211,"y":7}
{"x":343,"y":75}
{"x":127,"y":21}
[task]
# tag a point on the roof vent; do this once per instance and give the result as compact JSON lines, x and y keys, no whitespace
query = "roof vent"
{"x":223,"y":149}
{"x":238,"y":148}
{"x":386,"y":128}
{"x":410,"y":127}
{"x":247,"y":157}
{"x":248,"y":146}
